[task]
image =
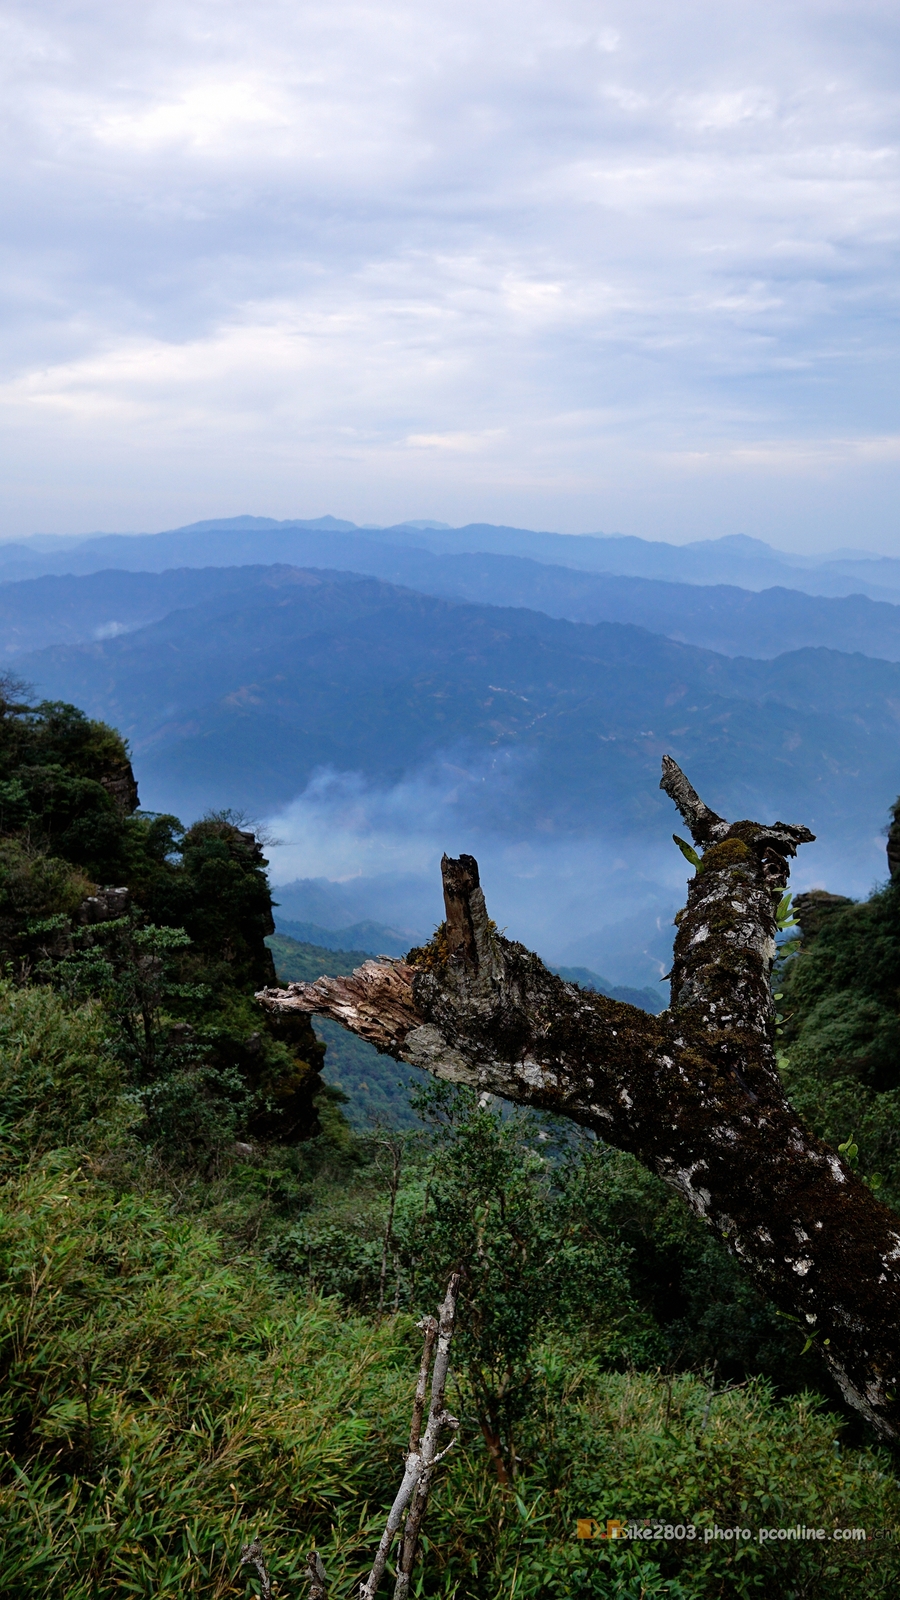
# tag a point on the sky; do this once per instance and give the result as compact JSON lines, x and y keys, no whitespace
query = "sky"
{"x":592,"y":267}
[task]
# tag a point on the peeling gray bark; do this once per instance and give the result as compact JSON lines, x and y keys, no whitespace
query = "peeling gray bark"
{"x":693,"y":1093}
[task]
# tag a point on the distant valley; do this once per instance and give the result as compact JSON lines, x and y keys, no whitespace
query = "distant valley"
{"x":551,"y":724}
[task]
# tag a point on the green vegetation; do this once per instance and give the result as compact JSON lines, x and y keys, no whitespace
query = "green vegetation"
{"x":163,"y":1397}
{"x":163,"y":927}
{"x":210,"y":1279}
{"x":376,"y":1088}
{"x":172,"y":1386}
{"x":841,"y":1031}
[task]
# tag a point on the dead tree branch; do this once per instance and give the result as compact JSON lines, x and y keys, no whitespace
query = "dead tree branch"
{"x":423,"y":1454}
{"x":693,"y":1093}
{"x":315,"y":1572}
{"x":252,"y":1556}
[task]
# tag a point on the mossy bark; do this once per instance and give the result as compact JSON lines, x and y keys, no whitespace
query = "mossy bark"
{"x":693,"y":1093}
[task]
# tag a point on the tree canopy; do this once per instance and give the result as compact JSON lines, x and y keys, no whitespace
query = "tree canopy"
{"x":165,"y":925}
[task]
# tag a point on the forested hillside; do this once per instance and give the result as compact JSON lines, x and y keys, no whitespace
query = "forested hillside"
{"x":39,"y":612}
{"x":165,"y":924}
{"x":243,"y":698}
{"x":210,"y":1279}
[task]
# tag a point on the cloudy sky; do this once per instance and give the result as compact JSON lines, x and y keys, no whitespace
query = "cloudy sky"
{"x":586,"y":266}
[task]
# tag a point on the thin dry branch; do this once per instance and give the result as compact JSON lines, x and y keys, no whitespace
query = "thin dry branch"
{"x":395,"y":1150}
{"x":423,"y":1454}
{"x":315,"y":1572}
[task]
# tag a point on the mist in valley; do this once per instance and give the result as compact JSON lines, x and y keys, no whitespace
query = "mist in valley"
{"x":348,"y":851}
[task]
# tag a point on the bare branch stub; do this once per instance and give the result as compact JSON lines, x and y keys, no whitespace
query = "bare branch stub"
{"x":423,"y":1455}
{"x":705,"y":825}
{"x":315,"y":1572}
{"x":693,"y":1093}
{"x":460,"y":883}
{"x":252,"y":1556}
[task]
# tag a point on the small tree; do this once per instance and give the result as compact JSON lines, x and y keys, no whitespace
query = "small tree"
{"x":515,"y":1222}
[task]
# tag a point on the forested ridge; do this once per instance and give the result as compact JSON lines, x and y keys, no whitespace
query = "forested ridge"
{"x":246,"y":693}
{"x":211,"y":1279}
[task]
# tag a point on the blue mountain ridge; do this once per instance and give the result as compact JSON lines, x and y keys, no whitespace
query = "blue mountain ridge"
{"x":39,"y":612}
{"x":552,"y":724}
{"x":734,"y":559}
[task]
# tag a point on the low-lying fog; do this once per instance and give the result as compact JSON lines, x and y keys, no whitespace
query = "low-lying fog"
{"x":348,"y":851}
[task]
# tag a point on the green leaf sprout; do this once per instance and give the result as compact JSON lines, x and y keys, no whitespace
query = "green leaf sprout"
{"x":688,"y":851}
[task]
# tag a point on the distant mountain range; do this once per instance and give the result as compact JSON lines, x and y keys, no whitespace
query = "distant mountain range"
{"x":39,"y":612}
{"x":329,"y":542}
{"x":372,"y":938}
{"x":483,"y":688}
{"x":550,"y":725}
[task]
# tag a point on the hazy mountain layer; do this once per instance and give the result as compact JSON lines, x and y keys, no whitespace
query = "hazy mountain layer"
{"x":39,"y":612}
{"x":534,"y":723}
{"x":327,"y":541}
{"x":372,"y":938}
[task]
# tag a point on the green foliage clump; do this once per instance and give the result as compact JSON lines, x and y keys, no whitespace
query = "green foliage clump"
{"x":59,"y":1082}
{"x":212,"y":883}
{"x":39,"y":893}
{"x":841,"y":1032}
{"x":555,"y":1230}
{"x":710,"y":1316}
{"x":674,"y":1451}
{"x":175,"y":962}
{"x":65,"y":781}
{"x":157,"y":1402}
{"x":530,"y":1234}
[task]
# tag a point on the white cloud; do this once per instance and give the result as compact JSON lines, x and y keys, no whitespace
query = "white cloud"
{"x":527,"y":262}
{"x":207,"y":118}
